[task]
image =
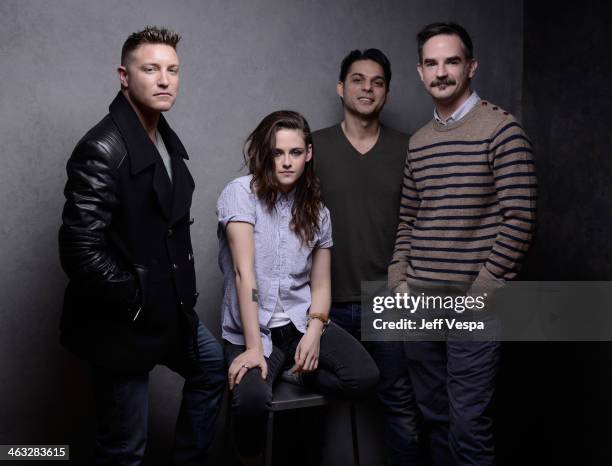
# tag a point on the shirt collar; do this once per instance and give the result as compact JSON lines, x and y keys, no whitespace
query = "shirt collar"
{"x":471,"y":101}
{"x":140,"y":148}
{"x":286,"y":198}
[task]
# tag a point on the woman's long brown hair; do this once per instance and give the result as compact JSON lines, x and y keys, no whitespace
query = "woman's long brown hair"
{"x":259,"y":158}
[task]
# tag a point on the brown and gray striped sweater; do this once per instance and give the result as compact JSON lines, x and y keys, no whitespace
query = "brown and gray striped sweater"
{"x":468,"y":201}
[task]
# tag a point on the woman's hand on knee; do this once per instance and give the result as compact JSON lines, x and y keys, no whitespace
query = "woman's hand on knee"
{"x":244,"y":362}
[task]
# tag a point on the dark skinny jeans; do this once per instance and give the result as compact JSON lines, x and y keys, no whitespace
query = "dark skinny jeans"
{"x":345,"y":370}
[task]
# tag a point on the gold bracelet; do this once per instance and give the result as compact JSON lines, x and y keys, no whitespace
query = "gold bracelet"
{"x":320,"y":317}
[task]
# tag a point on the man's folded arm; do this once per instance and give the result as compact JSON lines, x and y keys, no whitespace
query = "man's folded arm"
{"x":86,"y":254}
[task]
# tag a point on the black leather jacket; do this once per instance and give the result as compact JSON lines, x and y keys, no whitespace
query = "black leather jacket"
{"x":125,"y":245}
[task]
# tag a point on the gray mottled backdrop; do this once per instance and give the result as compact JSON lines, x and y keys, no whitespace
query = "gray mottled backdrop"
{"x":240,"y":61}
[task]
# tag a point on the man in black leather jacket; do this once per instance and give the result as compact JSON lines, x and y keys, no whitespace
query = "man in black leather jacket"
{"x":125,"y":244}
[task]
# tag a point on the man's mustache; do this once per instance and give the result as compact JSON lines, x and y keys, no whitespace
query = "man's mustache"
{"x":443,"y":82}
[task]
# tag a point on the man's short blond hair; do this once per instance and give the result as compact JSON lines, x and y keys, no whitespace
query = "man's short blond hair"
{"x":149,"y":35}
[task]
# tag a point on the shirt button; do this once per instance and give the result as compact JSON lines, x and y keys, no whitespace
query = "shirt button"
{"x":190,"y":257}
{"x":170,"y":232}
{"x":175,"y":267}
{"x":191,"y":220}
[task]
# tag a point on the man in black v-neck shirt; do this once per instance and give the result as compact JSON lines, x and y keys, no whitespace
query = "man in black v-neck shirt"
{"x":360,"y":164}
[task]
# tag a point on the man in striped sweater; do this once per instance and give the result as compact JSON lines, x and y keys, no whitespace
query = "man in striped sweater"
{"x":467,"y":216}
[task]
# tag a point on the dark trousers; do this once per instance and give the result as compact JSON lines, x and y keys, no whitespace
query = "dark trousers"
{"x":122,"y":407}
{"x":394,"y":389}
{"x":345,"y":369}
{"x":454,"y":383}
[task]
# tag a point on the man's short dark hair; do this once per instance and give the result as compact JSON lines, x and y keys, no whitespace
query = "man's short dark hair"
{"x":149,"y":35}
{"x":451,"y":29}
{"x":369,"y":54}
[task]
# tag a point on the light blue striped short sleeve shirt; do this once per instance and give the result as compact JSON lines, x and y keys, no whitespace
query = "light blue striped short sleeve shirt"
{"x":282,"y":263}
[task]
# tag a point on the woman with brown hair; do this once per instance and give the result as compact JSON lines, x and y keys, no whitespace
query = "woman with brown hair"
{"x":275,"y":235}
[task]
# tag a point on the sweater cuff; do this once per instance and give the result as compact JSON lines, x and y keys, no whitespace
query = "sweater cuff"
{"x":396,"y":273}
{"x":486,"y":282}
{"x":402,"y":288}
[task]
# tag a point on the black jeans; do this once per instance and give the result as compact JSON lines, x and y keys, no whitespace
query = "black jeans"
{"x":122,"y":408}
{"x":395,"y":391}
{"x":454,"y":383}
{"x":345,"y":369}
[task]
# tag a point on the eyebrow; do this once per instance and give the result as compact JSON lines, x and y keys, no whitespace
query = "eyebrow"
{"x":291,"y":152}
{"x":152,"y":63}
{"x":364,"y":76}
{"x":430,"y":60}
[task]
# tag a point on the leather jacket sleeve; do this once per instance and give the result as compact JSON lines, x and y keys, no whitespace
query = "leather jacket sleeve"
{"x":86,"y":254}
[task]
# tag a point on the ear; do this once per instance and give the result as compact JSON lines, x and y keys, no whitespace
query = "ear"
{"x":123,"y":76}
{"x":340,"y":89}
{"x":473,"y":65}
{"x":420,"y":70}
{"x":309,"y":153}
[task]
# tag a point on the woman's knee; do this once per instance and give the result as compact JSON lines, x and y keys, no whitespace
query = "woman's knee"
{"x":358,"y":379}
{"x":355,"y":368}
{"x":364,"y":381}
{"x":252,"y":396}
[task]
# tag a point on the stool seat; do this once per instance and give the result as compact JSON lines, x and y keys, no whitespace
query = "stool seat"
{"x":290,"y":396}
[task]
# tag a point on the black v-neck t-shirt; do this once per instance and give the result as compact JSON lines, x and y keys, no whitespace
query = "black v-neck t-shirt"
{"x":362,"y":192}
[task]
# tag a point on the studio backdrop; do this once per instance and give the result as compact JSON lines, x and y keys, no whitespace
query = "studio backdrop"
{"x":240,"y":60}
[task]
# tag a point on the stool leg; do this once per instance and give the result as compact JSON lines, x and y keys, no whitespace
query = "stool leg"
{"x":269,"y":438}
{"x":354,"y":434}
{"x":227,"y":440}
